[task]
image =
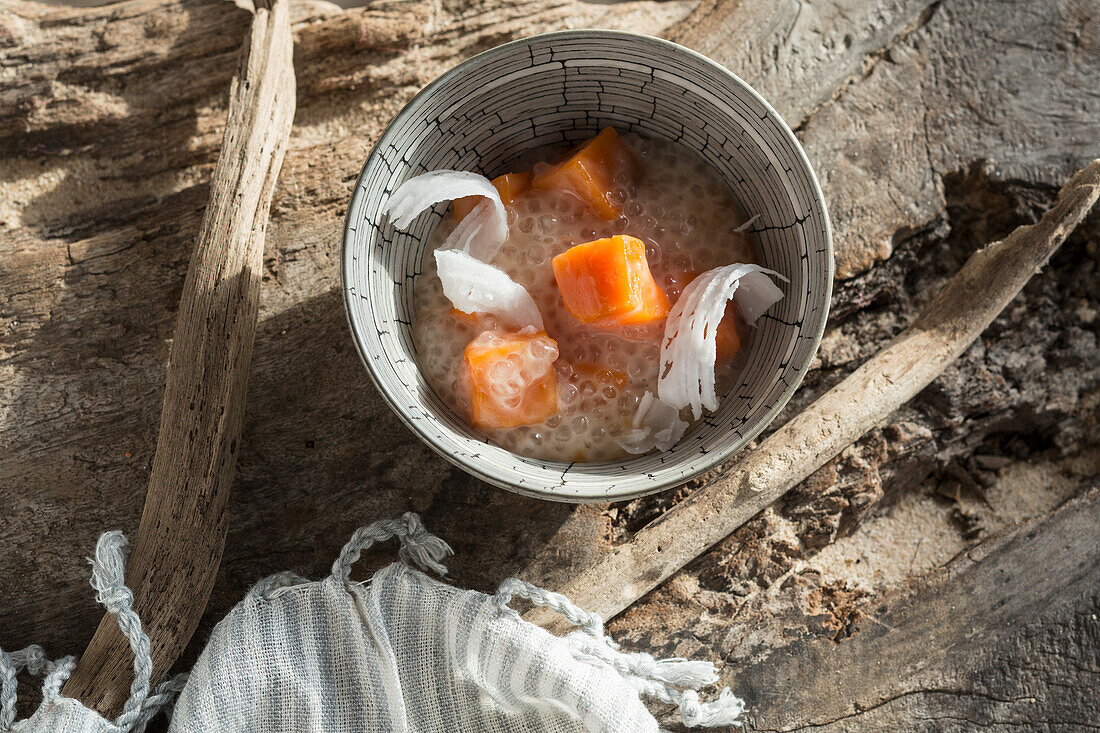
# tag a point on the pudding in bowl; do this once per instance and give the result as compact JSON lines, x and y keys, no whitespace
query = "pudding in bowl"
{"x":513,"y":103}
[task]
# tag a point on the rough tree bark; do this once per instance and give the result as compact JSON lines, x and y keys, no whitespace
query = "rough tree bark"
{"x":935,"y":126}
{"x":946,"y":328}
{"x":182,"y":533}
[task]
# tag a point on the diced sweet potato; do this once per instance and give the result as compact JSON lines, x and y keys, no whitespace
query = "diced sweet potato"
{"x":607,"y":283}
{"x":731,"y":330}
{"x":469,"y":319}
{"x":729,"y":335}
{"x":509,"y":186}
{"x":590,"y":173}
{"x":463,"y":206}
{"x":511,"y":378}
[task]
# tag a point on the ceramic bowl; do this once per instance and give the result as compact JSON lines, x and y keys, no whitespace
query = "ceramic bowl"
{"x":561,"y":88}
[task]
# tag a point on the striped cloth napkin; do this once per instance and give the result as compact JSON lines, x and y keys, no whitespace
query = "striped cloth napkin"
{"x":402,"y":652}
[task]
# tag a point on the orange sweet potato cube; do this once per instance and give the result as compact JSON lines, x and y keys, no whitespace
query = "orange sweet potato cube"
{"x":470,"y":319}
{"x":607,"y":283}
{"x":511,"y":379}
{"x":509,"y":186}
{"x":728,"y":337}
{"x":731,"y":329}
{"x":590,"y":173}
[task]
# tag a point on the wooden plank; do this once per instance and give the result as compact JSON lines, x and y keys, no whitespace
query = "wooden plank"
{"x":179,"y":542}
{"x":1002,"y":637}
{"x":949,"y":324}
{"x":96,"y":234}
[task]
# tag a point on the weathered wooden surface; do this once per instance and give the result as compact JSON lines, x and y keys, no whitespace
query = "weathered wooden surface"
{"x":946,"y":327}
{"x":979,"y":643}
{"x":934,"y":126}
{"x":180,"y":539}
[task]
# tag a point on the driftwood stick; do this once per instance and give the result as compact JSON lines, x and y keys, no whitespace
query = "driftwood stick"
{"x":179,"y":543}
{"x":945,"y":328}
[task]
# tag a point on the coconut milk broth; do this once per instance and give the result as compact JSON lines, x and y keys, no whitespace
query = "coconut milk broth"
{"x":682,"y":211}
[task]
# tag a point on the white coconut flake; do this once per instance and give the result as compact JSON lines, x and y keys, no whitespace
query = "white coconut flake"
{"x":747,"y":224}
{"x":474,"y":286}
{"x":689,"y":348}
{"x":655,"y":425}
{"x":756,"y":293}
{"x":480,"y":234}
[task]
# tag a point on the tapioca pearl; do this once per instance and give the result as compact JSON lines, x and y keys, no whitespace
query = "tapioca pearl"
{"x":653,"y":252}
{"x":635,"y":332}
{"x":708,"y":246}
{"x":507,"y":391}
{"x":542,"y":351}
{"x":683,"y":262}
{"x":623,"y":177}
{"x":563,"y":244}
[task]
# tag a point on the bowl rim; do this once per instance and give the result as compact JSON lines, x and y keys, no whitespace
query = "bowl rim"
{"x":714,"y":459}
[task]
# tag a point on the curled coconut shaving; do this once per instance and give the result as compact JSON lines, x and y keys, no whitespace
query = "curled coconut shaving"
{"x":689,"y":349}
{"x":474,"y":286}
{"x":655,"y":425}
{"x":481,"y":233}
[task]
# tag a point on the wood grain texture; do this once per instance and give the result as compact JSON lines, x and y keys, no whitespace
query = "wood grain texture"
{"x":84,"y":347}
{"x":982,"y":642}
{"x":908,"y":364}
{"x":97,"y":229}
{"x":182,"y":531}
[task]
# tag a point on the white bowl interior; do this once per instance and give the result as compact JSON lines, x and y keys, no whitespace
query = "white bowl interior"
{"x":563,"y":88}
